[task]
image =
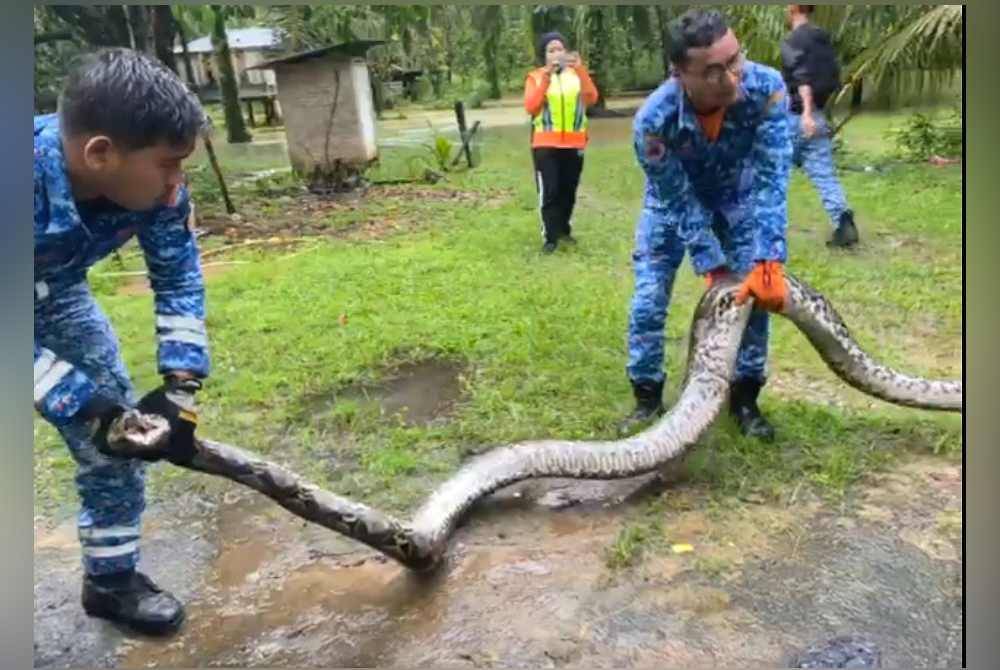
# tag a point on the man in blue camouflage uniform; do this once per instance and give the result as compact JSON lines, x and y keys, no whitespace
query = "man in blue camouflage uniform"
{"x":107,"y":167}
{"x":812,"y":75}
{"x":714,"y":144}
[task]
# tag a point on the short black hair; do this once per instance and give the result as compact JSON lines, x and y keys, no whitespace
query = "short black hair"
{"x":806,"y":9}
{"x":695,"y":28}
{"x":131,"y":98}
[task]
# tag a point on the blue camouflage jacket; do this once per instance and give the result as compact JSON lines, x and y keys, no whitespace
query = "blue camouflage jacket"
{"x":70,"y":239}
{"x":746,"y":168}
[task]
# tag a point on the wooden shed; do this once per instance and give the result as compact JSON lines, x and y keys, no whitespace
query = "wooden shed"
{"x":326,"y":101}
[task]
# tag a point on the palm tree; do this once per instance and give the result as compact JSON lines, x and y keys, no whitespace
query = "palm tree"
{"x":637,"y":26}
{"x":164,"y":29}
{"x":664,"y":15}
{"x":183,"y":26}
{"x":548,"y":18}
{"x":236,"y":130}
{"x":911,"y":49}
{"x":888,"y":48}
{"x":488,"y":20}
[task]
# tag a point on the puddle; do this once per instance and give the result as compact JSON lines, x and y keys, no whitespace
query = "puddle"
{"x":268,"y":601}
{"x":419,"y":393}
{"x":525,"y":585}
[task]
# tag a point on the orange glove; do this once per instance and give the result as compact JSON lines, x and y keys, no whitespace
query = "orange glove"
{"x":715,"y":275}
{"x":767,"y":284}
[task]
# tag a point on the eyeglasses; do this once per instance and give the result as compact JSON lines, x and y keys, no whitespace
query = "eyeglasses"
{"x":714,"y":73}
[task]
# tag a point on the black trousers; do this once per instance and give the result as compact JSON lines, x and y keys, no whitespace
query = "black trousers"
{"x":557,"y":175}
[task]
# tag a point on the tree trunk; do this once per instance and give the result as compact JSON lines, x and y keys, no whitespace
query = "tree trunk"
{"x":490,"y":55}
{"x":378,"y":100}
{"x":662,"y":21}
{"x":138,"y":21}
{"x":630,"y":59}
{"x":164,"y":32}
{"x":236,"y":130}
{"x":598,"y":57}
{"x":188,"y":69}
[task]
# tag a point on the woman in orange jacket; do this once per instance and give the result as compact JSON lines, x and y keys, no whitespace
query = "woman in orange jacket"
{"x":557,"y":95}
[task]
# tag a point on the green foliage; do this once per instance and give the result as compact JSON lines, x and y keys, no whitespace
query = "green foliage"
{"x":890,"y":50}
{"x":477,"y":96}
{"x":440,"y":149}
{"x":923,"y":136}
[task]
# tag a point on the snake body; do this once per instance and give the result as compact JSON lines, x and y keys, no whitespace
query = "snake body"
{"x":717,"y":329}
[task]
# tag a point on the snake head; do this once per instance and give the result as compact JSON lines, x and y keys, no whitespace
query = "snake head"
{"x":138,"y":435}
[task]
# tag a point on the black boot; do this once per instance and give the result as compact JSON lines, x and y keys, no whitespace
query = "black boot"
{"x":846,"y":234}
{"x":134,"y":600}
{"x":648,"y":405}
{"x":743,"y":408}
{"x":549,"y":247}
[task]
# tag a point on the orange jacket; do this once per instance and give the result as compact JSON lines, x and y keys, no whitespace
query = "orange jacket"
{"x":536,"y":89}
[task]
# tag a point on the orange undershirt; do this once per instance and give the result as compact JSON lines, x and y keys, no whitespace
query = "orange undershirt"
{"x":712,"y":123}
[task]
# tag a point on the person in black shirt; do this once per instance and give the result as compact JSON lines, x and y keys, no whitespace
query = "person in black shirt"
{"x":812,"y":75}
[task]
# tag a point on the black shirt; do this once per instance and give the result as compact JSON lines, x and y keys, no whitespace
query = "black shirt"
{"x":808,"y":58}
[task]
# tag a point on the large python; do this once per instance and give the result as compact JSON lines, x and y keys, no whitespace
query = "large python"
{"x":420,"y":544}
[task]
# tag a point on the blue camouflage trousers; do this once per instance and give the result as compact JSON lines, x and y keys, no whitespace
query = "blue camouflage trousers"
{"x":815,"y":156}
{"x":70,"y":323}
{"x":658,"y":253}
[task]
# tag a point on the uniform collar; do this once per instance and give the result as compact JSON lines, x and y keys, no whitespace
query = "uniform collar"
{"x":686,"y":118}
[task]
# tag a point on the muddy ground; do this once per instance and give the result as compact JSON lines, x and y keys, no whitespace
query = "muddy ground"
{"x":526,"y":583}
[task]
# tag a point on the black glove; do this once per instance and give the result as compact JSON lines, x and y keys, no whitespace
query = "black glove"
{"x":174,"y":401}
{"x":101,"y":412}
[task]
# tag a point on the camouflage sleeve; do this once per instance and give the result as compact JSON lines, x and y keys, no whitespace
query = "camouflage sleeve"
{"x":60,"y":389}
{"x":694,"y":222}
{"x":175,"y":275}
{"x":772,"y":160}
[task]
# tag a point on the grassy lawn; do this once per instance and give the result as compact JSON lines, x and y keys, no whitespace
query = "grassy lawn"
{"x":453,"y":271}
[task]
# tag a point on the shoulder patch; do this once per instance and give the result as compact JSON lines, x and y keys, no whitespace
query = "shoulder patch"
{"x":654,"y":147}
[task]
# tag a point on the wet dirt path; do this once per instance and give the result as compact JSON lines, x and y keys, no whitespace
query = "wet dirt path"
{"x":526,"y":583}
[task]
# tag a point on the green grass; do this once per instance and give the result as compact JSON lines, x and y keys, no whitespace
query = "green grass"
{"x":541,"y":339}
{"x":641,"y":534}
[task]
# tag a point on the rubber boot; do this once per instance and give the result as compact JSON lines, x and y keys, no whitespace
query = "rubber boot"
{"x":743,"y":408}
{"x":648,"y":405}
{"x":846,"y":234}
{"x":132,"y":599}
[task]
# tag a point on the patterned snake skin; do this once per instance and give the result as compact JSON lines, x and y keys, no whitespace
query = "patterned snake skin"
{"x":716,"y":332}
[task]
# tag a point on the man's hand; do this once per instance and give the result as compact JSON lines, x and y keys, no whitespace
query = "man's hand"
{"x":573,"y":59}
{"x":101,"y":413}
{"x":766,"y":282}
{"x":174,"y":401}
{"x":808,"y":125}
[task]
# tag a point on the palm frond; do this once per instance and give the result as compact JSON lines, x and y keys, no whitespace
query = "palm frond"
{"x":923,"y":51}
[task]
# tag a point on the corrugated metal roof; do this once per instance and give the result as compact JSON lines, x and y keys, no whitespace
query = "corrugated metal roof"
{"x":239,"y":38}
